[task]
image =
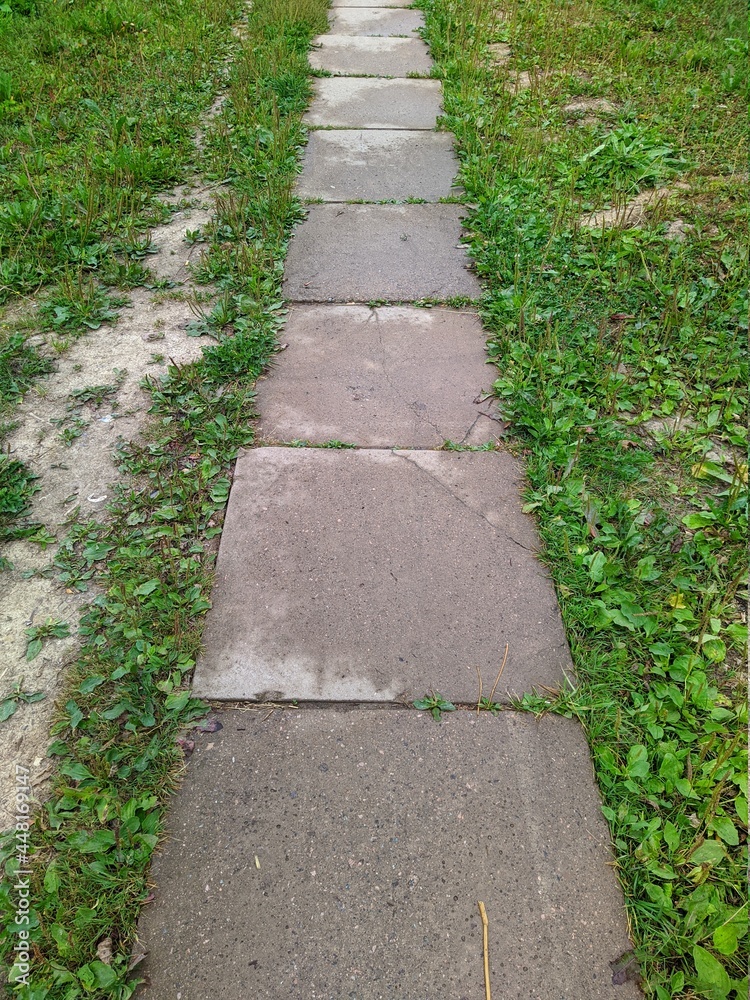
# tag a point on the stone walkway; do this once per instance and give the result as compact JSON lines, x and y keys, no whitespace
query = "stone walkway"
{"x":339,"y":849}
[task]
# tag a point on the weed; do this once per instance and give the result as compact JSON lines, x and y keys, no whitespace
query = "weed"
{"x":36,"y":634}
{"x":17,"y":487}
{"x":8,"y":706}
{"x":78,"y":307}
{"x":435,"y":704}
{"x":20,"y":366}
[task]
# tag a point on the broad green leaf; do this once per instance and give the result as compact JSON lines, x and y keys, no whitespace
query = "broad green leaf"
{"x":657,"y":895}
{"x":671,"y":767}
{"x":714,"y":649}
{"x":146,"y":588}
{"x":74,"y":714}
{"x":105,"y":976}
{"x":725,"y":829}
{"x":90,"y":683}
{"x":176,"y":701}
{"x":702,"y":520}
{"x":660,"y":650}
{"x":596,"y":567}
{"x":33,"y":649}
{"x":713,"y":980}
{"x":637,"y":766}
{"x":51,"y":880}
{"x":710,"y":852}
{"x":671,"y":836}
{"x":725,"y":939}
{"x":97,"y":551}
{"x":75,"y":770}
{"x":94,"y":843}
{"x":219,"y":492}
{"x":646,"y":569}
{"x":61,"y":938}
{"x":740,"y":804}
{"x":7,"y":708}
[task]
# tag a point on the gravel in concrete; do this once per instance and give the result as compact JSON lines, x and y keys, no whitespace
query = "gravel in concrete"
{"x":377,"y":165}
{"x":364,"y":253}
{"x":376,"y":575}
{"x":375,"y":21}
{"x":378,"y":378}
{"x":375,"y":834}
{"x":351,"y":102}
{"x":354,"y":56}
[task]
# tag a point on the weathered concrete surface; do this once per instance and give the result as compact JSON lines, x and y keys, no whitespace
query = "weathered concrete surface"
{"x":351,"y":102}
{"x":378,"y":377}
{"x":395,"y":253}
{"x":368,"y":56}
{"x":376,"y":833}
{"x":376,"y":575}
{"x":375,"y":21}
{"x":377,"y":165}
{"x":369,"y":3}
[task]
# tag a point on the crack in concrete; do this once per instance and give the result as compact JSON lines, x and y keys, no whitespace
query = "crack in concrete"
{"x":477,"y":513}
{"x":413,"y":407}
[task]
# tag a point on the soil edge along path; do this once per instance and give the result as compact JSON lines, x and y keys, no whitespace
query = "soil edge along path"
{"x":336,"y":843}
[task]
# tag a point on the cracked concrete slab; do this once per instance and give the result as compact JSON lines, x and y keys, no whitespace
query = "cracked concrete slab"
{"x":377,"y":378}
{"x":341,"y":854}
{"x":377,"y":165}
{"x":364,"y":56}
{"x":353,"y":102}
{"x":374,"y":575}
{"x":375,"y":21}
{"x":388,"y":253}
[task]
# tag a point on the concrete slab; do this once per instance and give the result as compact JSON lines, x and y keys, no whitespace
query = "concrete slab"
{"x":369,"y":3}
{"x":375,"y":21}
{"x":378,"y":378}
{"x":390,"y":253}
{"x":355,"y":56}
{"x":349,"y":102}
{"x":375,"y":834}
{"x":377,"y":575}
{"x":377,"y":165}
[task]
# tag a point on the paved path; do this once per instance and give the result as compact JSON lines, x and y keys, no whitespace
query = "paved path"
{"x":338,"y":850}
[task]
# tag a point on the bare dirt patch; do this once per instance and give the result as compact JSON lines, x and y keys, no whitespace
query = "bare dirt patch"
{"x":589,"y":110}
{"x":76,"y":477}
{"x":499,"y":53}
{"x":633,"y":212}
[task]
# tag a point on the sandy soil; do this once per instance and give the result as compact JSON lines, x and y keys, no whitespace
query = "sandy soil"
{"x":149,"y":333}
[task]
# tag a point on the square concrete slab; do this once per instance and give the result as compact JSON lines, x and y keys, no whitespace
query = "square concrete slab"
{"x":376,"y":576}
{"x":369,"y":3}
{"x":354,"y":56}
{"x":375,"y":21}
{"x":365,"y":253}
{"x":349,"y":102}
{"x":377,"y":165}
{"x":379,"y":378}
{"x":341,"y":855}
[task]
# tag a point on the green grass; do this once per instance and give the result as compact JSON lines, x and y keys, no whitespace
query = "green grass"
{"x":99,"y":102}
{"x":127,"y":700}
{"x":601,"y":338}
